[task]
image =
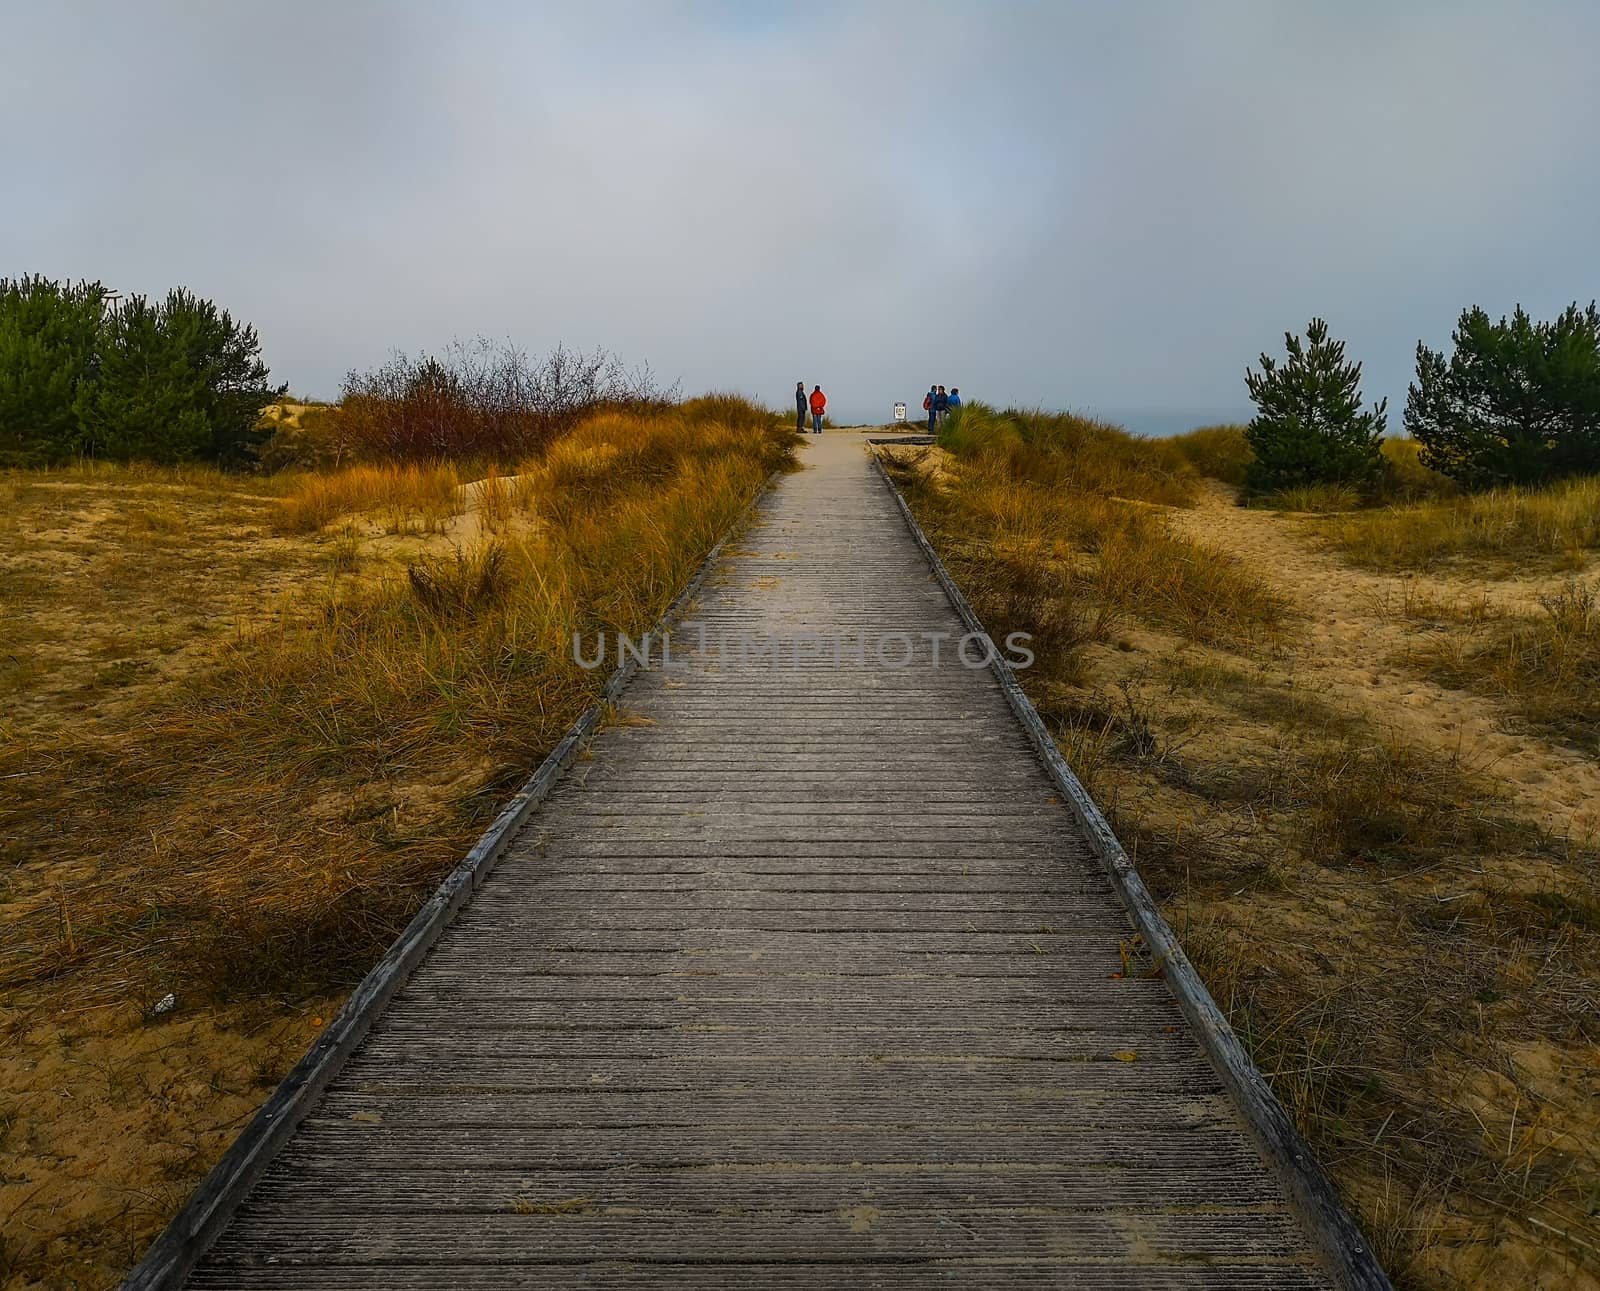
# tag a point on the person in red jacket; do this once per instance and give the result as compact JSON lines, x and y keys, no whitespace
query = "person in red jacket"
{"x":819,"y":405}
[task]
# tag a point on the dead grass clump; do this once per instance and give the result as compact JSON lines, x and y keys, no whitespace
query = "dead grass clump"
{"x":1507,"y":528}
{"x":1318,"y":499}
{"x":1382,"y":802}
{"x":463,"y":586}
{"x":157,"y":521}
{"x":1545,"y":668}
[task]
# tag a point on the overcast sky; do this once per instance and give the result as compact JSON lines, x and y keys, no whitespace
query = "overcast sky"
{"x":1111,"y":207}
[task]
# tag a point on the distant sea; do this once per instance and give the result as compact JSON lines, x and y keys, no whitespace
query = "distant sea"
{"x":1158,"y":425}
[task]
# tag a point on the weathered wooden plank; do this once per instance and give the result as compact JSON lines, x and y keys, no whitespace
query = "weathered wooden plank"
{"x":503,"y":1011}
{"x":1148,"y":1238}
{"x":947,"y":1103}
{"x":473,"y":967}
{"x":828,"y":948}
{"x":1085,"y":1044}
{"x":863,"y":1074}
{"x":958,"y":883}
{"x":689,"y":917}
{"x":781,"y":991}
{"x":376,"y":1149}
{"x":613,"y":1274}
{"x":1088,"y":1186}
{"x":733,"y":902}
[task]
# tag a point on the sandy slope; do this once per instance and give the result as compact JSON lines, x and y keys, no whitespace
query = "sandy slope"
{"x":1353,"y":641}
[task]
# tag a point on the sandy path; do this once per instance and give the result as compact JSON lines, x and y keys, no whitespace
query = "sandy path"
{"x":1352,"y":643}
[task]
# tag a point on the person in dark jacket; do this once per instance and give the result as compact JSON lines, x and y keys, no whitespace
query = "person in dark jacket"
{"x":941,"y":404}
{"x":819,"y":405}
{"x":800,"y":406}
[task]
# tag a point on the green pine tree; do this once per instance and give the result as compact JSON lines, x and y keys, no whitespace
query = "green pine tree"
{"x":48,"y":355}
{"x":1309,"y":427}
{"x":179,"y":381}
{"x":1518,"y":402}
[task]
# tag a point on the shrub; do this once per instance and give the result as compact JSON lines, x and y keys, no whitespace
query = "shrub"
{"x":485,"y":400}
{"x":1219,"y":452}
{"x":1309,"y":427}
{"x":1517,"y":403}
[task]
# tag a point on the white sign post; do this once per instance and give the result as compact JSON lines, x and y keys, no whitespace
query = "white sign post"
{"x":899,"y":412}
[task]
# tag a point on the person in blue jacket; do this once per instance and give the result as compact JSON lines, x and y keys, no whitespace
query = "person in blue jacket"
{"x":928,"y":403}
{"x":800,"y":406}
{"x":955,"y":397}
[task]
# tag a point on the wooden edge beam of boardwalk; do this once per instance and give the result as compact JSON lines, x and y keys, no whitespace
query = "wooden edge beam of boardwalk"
{"x":808,"y":977}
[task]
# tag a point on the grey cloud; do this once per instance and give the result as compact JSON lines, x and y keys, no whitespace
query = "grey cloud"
{"x":1092,"y":206}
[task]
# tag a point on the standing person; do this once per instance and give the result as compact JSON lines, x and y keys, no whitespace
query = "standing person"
{"x":927,"y":405}
{"x":800,"y":406}
{"x":955,"y":398}
{"x":941,"y":404}
{"x":819,"y":405}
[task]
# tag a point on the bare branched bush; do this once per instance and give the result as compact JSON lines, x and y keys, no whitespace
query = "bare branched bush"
{"x":486,"y":400}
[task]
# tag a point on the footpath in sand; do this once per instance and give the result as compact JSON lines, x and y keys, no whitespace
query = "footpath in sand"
{"x":1353,"y":645}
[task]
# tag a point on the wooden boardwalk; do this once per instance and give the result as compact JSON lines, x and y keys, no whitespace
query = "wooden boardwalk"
{"x":803,"y":979}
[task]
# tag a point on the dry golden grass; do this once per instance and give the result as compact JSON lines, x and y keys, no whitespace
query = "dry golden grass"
{"x":1502,"y":530}
{"x":1066,"y":516}
{"x":1413,"y":963}
{"x":1217,"y":452}
{"x":406,"y":498}
{"x":1060,"y":451}
{"x":1545,"y":667}
{"x":1405,"y":478}
{"x":253,"y":836}
{"x":113,"y":579}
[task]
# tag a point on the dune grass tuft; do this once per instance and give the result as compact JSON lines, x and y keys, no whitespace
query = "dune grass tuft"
{"x":1545,"y":668}
{"x":1217,"y":452}
{"x":407,"y":498}
{"x":1558,"y":525}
